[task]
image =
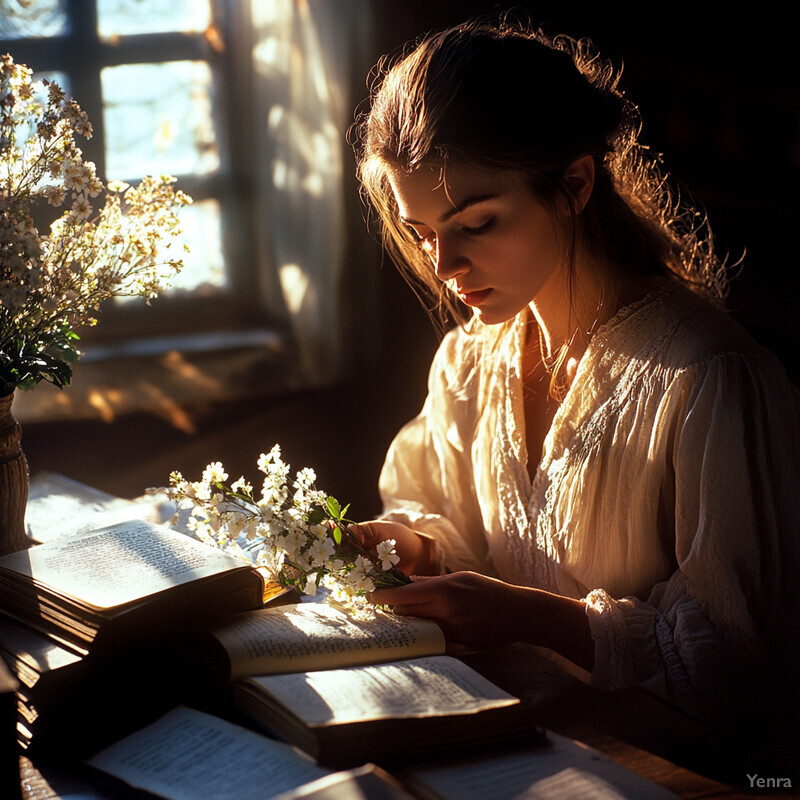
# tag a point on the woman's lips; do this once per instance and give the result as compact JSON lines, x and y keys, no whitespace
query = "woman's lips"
{"x":474,"y":298}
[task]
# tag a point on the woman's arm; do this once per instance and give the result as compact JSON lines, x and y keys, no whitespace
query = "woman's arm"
{"x":481,"y":612}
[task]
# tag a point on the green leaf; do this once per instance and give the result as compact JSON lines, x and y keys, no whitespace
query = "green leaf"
{"x":334,"y":509}
{"x":337,"y":535}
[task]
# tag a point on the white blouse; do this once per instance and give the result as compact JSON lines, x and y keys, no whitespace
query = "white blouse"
{"x":667,"y":494}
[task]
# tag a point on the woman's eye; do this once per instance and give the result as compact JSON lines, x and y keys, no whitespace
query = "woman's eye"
{"x":426,"y":243}
{"x":480,"y":229}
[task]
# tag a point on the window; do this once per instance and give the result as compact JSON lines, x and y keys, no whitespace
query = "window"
{"x":245,"y":102}
{"x":154,"y":77}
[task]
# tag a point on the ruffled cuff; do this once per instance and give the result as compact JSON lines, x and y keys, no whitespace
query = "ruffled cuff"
{"x":635,"y":646}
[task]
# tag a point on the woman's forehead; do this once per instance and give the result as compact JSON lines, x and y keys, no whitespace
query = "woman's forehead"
{"x":439,"y":191}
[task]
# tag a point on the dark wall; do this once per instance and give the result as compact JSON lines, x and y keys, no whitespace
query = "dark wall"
{"x":719,"y":93}
{"x":720,"y":99}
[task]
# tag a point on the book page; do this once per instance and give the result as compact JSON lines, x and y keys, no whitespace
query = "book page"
{"x":423,"y":687}
{"x":189,"y":755}
{"x":119,"y":564}
{"x":560,"y":768}
{"x":312,"y":636}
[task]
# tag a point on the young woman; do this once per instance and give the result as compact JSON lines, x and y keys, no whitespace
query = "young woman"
{"x":606,"y":465}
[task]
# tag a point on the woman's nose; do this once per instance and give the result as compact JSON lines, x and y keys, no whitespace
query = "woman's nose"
{"x":449,"y":261}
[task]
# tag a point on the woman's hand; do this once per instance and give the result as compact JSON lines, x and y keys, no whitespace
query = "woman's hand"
{"x":471,"y":609}
{"x":481,"y":612}
{"x":415,"y":549}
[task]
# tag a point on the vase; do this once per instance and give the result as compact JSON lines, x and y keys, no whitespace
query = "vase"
{"x":13,"y":481}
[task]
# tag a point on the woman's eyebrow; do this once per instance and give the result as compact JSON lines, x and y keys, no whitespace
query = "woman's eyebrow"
{"x":462,"y":206}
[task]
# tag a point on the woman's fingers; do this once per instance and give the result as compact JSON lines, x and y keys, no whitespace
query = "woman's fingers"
{"x":414,"y":600}
{"x":471,"y":609}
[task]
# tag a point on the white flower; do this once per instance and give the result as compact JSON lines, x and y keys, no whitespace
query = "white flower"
{"x":320,"y":531}
{"x":250,"y":528}
{"x":320,"y":551}
{"x":292,"y":543}
{"x":94,"y":187}
{"x":55,"y":195}
{"x":214,"y":473}
{"x":81,"y":209}
{"x":279,"y":536}
{"x":359,"y":577}
{"x":77,"y":176}
{"x":386,"y":554}
{"x":271,"y":559}
{"x":201,"y":491}
{"x":241,"y":486}
{"x":305,"y":478}
{"x":271,"y":462}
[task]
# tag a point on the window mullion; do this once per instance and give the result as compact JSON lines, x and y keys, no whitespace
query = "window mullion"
{"x":84,"y":74}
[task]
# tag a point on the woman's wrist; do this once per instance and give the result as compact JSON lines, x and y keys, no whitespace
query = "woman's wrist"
{"x":558,"y":623}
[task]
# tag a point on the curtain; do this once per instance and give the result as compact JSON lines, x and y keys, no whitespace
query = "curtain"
{"x":305,"y":54}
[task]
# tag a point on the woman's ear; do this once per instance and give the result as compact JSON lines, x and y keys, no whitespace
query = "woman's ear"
{"x":579,"y":177}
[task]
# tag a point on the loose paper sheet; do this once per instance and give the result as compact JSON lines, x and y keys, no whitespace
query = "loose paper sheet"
{"x":562,"y":769}
{"x":423,"y":687}
{"x":319,"y":636}
{"x":189,"y":755}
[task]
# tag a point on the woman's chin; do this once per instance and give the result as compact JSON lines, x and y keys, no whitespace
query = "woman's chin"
{"x":490,"y":316}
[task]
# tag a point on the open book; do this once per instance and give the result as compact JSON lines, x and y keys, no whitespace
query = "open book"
{"x":348,"y":691}
{"x":124,"y":583}
{"x":384,"y":712}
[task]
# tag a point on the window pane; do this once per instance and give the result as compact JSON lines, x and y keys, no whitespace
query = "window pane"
{"x":158,"y":119}
{"x":203,"y":270}
{"x":39,"y":90}
{"x":24,"y":20}
{"x":204,"y":265}
{"x":128,"y":17}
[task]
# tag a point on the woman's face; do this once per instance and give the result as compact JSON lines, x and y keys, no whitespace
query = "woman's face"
{"x":489,"y":239}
